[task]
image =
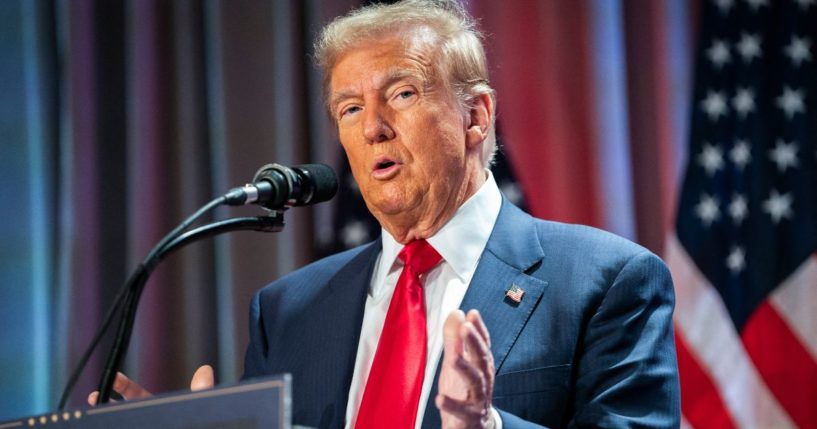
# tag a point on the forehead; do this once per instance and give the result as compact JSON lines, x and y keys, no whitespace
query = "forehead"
{"x":374,"y":62}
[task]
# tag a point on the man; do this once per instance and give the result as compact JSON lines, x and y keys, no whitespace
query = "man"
{"x":568,"y":325}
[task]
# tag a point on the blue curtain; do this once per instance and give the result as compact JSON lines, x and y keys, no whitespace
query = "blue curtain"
{"x":118,"y":119}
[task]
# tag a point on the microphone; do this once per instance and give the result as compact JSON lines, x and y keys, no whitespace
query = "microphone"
{"x":275,"y":186}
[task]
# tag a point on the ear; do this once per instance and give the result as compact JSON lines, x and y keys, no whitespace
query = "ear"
{"x":479,"y":120}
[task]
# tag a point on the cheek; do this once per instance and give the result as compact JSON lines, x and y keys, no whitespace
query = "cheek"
{"x":355,"y":160}
{"x":353,"y":153}
{"x":444,"y":145}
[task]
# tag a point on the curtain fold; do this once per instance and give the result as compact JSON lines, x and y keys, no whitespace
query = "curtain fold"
{"x":150,"y":109}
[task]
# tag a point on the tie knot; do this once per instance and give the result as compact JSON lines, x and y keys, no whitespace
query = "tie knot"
{"x":419,"y":256}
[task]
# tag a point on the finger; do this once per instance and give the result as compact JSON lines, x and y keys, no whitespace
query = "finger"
{"x":452,"y":324}
{"x":474,"y":317}
{"x":452,"y":344}
{"x":93,"y":397}
{"x":473,"y":378}
{"x":128,"y":388}
{"x":463,"y":410}
{"x":203,"y":378}
{"x":479,"y":356}
{"x":478,"y":352}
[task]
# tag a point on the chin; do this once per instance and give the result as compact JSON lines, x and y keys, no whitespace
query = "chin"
{"x":388,"y":207}
{"x":391,"y":205}
{"x":390,"y":199}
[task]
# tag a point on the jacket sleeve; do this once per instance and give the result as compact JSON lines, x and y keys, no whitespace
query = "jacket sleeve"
{"x":625,"y":373}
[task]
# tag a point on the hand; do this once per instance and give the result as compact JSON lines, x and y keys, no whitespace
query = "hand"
{"x":203,"y":378}
{"x":467,"y":374}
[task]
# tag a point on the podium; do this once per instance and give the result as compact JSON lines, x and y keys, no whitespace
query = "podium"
{"x":263,"y":403}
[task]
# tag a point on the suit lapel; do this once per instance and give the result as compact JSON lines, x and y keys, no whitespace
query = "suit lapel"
{"x":512,"y":250}
{"x":503,"y":317}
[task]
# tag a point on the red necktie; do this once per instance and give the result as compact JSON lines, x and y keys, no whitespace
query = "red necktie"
{"x":396,"y":379}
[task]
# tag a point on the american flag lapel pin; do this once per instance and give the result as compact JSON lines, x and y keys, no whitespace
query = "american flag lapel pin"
{"x":515,"y":293}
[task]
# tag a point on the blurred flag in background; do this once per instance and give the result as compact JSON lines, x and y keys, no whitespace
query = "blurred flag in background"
{"x":744,"y":259}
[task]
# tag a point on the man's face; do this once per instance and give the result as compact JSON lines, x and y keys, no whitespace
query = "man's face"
{"x":403,"y":132}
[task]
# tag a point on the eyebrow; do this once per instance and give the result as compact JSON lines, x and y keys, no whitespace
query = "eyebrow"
{"x":390,"y":77}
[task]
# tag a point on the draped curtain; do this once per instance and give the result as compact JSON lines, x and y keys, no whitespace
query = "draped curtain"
{"x":120,"y":118}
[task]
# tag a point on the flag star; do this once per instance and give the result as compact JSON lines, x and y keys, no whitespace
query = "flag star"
{"x":724,"y":5}
{"x":719,"y":53}
{"x":738,"y":210}
{"x":749,"y":47}
{"x":711,"y":158}
{"x":799,"y":50}
{"x":715,"y":105}
{"x":805,"y":4}
{"x":512,"y":192}
{"x":791,"y":102}
{"x":736,"y":261}
{"x":744,"y":102}
{"x":707,"y":210}
{"x":354,"y":233}
{"x":778,"y":206}
{"x":755,"y":4}
{"x":784,"y":155}
{"x":741,"y":154}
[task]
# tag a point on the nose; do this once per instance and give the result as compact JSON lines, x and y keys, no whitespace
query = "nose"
{"x":376,"y":127}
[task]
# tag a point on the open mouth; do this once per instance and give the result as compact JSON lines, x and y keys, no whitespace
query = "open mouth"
{"x":385,"y":168}
{"x":382,"y":165}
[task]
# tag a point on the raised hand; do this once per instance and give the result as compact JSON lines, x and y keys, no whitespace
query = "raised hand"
{"x":467,"y":374}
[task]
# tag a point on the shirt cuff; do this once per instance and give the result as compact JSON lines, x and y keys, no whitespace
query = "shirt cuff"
{"x":497,"y":419}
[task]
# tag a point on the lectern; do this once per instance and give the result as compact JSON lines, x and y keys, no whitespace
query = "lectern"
{"x":263,"y":403}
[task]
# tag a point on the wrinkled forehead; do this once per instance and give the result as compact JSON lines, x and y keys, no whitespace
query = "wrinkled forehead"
{"x":408,"y":42}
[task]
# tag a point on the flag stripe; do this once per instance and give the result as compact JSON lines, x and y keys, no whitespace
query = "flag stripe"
{"x":747,"y":216}
{"x":796,"y":302}
{"x":701,"y":402}
{"x":775,"y":350}
{"x":712,"y":339}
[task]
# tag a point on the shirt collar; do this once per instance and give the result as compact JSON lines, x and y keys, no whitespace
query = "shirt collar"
{"x":460,"y":241}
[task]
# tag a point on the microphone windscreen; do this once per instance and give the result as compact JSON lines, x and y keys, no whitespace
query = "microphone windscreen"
{"x":324,"y":179}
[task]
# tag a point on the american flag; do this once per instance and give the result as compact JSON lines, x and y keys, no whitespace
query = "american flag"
{"x":743,"y":258}
{"x":515,"y":293}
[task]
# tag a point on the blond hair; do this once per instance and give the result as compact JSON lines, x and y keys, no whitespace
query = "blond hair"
{"x":462,"y":61}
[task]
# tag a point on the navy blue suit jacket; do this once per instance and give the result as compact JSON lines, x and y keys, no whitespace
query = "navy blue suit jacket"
{"x":590,"y":344}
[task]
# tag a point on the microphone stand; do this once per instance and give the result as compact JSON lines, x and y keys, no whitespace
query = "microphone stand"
{"x":127,"y":299}
{"x":274,"y":187}
{"x":136,"y":284}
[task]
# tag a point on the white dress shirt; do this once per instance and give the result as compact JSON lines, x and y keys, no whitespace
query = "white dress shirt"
{"x":460,"y":242}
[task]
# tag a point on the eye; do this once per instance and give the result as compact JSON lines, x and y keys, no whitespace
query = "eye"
{"x":405,"y":94}
{"x":346,"y":111}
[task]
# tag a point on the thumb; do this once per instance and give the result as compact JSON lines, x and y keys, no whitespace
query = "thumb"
{"x":203,"y":378}
{"x":452,"y":342}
